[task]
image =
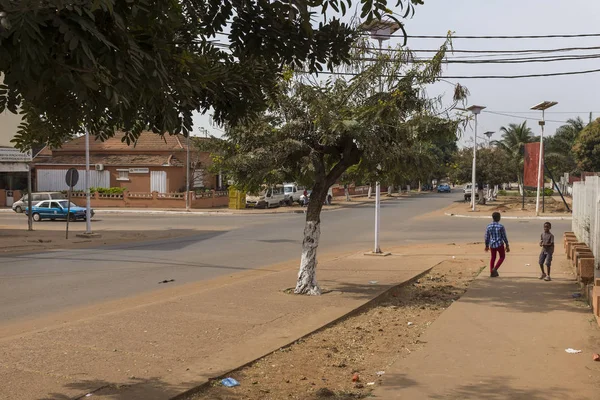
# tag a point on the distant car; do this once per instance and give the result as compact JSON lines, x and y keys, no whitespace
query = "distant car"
{"x":56,"y":209}
{"x":19,"y":206}
{"x":444,"y":188}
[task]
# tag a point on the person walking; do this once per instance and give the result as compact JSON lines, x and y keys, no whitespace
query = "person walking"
{"x":495,"y":239}
{"x":547,"y":245}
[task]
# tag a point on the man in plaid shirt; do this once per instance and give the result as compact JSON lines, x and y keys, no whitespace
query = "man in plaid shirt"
{"x":495,"y":239}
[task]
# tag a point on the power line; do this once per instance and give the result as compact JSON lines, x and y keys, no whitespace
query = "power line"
{"x":487,"y":76}
{"x":518,"y":51}
{"x":575,"y":35}
{"x":505,"y":60}
{"x":521,"y":117}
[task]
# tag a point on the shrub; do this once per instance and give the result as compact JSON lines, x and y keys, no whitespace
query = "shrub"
{"x":112,"y":190}
{"x":502,"y":193}
{"x":548,"y":192}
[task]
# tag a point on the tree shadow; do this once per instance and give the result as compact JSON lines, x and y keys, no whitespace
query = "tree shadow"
{"x":136,"y":388}
{"x":500,"y":388}
{"x":526,"y":295}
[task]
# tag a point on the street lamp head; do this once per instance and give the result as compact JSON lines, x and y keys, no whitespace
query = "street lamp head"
{"x":380,"y":30}
{"x":544,"y":105}
{"x":476,"y":109}
{"x":489,"y":134}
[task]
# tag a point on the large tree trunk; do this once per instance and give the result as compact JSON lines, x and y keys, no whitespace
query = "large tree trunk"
{"x":307,"y":277}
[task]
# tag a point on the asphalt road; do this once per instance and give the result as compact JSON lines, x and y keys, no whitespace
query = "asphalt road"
{"x":37,"y":284}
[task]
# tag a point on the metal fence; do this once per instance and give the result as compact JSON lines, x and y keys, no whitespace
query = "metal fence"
{"x":586,"y":215}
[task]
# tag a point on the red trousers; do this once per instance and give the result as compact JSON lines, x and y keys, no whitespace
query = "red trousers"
{"x":495,"y":252}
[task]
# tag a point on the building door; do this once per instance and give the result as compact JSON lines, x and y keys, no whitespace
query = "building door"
{"x":158,"y":181}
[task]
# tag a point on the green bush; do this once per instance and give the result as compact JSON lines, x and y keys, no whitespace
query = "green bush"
{"x":501,"y":192}
{"x":548,"y":192}
{"x":112,"y":190}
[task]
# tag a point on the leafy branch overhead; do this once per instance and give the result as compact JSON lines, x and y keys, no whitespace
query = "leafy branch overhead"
{"x":314,"y":131}
{"x":132,"y":65}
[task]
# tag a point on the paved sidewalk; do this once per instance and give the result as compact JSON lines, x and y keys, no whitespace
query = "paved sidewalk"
{"x":159,"y":344}
{"x":506,"y":339}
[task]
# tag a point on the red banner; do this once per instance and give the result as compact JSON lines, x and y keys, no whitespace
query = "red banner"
{"x":530,"y":165}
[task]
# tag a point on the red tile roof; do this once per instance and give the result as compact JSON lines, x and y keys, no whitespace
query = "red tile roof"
{"x":147,"y":141}
{"x":125,"y":160}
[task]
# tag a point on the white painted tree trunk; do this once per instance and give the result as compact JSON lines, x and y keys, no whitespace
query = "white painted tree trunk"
{"x":307,"y":276}
{"x":347,"y":193}
{"x":420,"y":186}
{"x":390,"y":190}
{"x":370,"y":191}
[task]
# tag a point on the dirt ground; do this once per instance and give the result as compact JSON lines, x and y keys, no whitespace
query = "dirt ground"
{"x":510,"y":206}
{"x":323,"y":365}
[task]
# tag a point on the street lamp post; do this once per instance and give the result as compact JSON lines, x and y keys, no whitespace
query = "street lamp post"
{"x":187,"y":174}
{"x":543,"y":106}
{"x":380,"y":31}
{"x":475,"y":110}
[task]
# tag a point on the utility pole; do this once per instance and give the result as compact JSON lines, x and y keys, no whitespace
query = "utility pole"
{"x":476,"y":110}
{"x":187,"y":175}
{"x":29,"y":192}
{"x":540,"y":177}
{"x":380,"y":31}
{"x":88,"y":206}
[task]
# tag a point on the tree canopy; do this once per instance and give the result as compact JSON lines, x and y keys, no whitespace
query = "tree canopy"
{"x":313,"y":132}
{"x":493,"y":166}
{"x":558,"y":149}
{"x":131,"y":65}
{"x":514,"y":139}
{"x":587,"y":148}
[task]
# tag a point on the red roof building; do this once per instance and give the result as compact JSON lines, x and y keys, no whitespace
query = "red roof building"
{"x":152,"y":163}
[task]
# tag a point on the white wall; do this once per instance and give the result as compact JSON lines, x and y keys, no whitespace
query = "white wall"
{"x":50,"y":180}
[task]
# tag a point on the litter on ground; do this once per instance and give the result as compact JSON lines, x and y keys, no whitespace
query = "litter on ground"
{"x":230,"y":382}
{"x":572,"y":351}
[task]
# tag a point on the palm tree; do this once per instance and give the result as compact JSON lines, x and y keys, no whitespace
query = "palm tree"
{"x":558,"y":148}
{"x":514,"y":139}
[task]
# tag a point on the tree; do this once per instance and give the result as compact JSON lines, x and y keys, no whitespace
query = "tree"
{"x":514,"y":139}
{"x":108,"y":65}
{"x":587,"y":148}
{"x":493,"y":166}
{"x":314,"y":132}
{"x":558,"y":149}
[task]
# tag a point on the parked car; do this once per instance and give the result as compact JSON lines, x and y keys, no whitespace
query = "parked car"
{"x":467,"y":193}
{"x":269,"y":197}
{"x":444,"y":188}
{"x":292,"y":193}
{"x":20,"y":205}
{"x":57,"y":209}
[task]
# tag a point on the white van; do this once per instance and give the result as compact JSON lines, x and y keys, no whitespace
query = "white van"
{"x":19,"y":206}
{"x":269,"y":197}
{"x":292,"y":192}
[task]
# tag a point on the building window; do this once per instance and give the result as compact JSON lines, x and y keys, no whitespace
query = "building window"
{"x":123,"y":175}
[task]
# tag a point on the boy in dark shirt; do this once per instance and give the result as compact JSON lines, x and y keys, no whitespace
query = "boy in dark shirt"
{"x":547,"y":245}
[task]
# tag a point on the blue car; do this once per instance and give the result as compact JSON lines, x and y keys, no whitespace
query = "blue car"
{"x":444,"y":189}
{"x":56,"y":209}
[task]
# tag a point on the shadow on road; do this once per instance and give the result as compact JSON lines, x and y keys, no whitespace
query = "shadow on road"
{"x":147,"y":389}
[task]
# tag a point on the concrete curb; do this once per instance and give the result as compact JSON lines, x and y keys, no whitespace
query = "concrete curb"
{"x":185,"y":395}
{"x":508,"y":217}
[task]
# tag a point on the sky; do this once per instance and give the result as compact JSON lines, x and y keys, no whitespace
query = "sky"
{"x":577,"y":95}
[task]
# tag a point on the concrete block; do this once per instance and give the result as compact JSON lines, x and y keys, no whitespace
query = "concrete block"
{"x":596,"y":300}
{"x":570,"y":246}
{"x":567,"y":240}
{"x":578,"y":247}
{"x":581,"y":254}
{"x":586,"y":270}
